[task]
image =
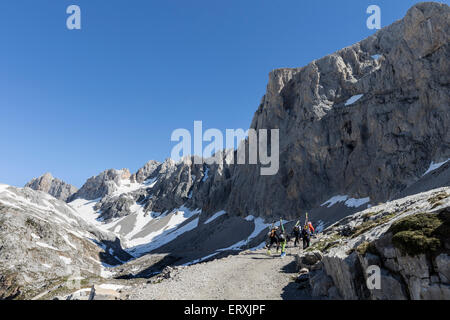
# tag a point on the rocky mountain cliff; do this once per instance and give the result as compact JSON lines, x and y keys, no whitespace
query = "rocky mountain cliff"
{"x":365,"y":121}
{"x":53,"y":186}
{"x":102,"y":185}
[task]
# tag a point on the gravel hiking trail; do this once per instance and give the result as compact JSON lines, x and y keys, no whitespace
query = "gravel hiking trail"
{"x":250,"y":275}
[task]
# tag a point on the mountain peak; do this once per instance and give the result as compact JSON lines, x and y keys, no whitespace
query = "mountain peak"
{"x":53,"y":186}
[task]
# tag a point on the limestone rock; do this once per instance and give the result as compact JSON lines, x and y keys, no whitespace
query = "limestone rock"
{"x":374,"y":147}
{"x":53,"y":186}
{"x":418,"y":276}
{"x":146,"y":172}
{"x":104,"y":184}
{"x":443,"y":267}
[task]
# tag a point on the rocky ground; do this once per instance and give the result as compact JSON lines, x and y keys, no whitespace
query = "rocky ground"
{"x":252,"y":275}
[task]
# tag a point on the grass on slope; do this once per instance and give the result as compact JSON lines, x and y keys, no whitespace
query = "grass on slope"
{"x":422,"y":233}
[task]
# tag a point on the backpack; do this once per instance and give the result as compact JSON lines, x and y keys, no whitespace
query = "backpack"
{"x":306,"y":233}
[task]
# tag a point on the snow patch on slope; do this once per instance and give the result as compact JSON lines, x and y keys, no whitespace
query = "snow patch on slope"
{"x":356,"y":203}
{"x":140,"y":232}
{"x":3,"y":187}
{"x":434,"y":166}
{"x":349,"y":202}
{"x":34,"y":236}
{"x":45,"y":245}
{"x":85,"y":210}
{"x":126,"y":186}
{"x":215,"y":216}
{"x":66,"y":260}
{"x":260,"y":225}
{"x":158,"y":239}
{"x":353,"y":99}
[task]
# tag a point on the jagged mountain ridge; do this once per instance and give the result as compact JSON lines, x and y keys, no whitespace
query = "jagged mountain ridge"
{"x":375,"y":146}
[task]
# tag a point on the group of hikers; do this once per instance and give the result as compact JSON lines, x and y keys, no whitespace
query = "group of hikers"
{"x":278,"y":236}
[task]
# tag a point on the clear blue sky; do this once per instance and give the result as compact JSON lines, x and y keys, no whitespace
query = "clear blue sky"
{"x":75,"y":103}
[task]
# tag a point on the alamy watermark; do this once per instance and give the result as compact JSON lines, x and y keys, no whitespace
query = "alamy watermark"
{"x":373,"y":281}
{"x":254,"y":143}
{"x":374,"y":20}
{"x":73,"y":22}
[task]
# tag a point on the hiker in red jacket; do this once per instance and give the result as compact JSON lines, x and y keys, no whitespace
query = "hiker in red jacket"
{"x":311,"y":228}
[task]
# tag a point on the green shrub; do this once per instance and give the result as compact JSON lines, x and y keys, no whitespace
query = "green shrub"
{"x":324,"y":245}
{"x":422,"y":233}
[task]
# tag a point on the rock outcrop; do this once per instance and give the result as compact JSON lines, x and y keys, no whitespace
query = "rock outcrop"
{"x":146,"y":172}
{"x":53,"y":186}
{"x":407,"y":239}
{"x":104,"y":184}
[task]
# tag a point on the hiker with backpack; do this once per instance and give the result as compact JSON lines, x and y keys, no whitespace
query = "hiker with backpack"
{"x":306,"y":236}
{"x":296,"y":234}
{"x":273,"y":239}
{"x":283,"y":240}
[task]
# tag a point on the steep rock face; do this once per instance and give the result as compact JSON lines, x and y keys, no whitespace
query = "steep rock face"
{"x":146,"y":172}
{"x":104,"y":184}
{"x":55,"y":187}
{"x":372,"y":147}
{"x":157,"y":186}
{"x":203,"y":186}
{"x":408,"y":239}
{"x":163,"y":187}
